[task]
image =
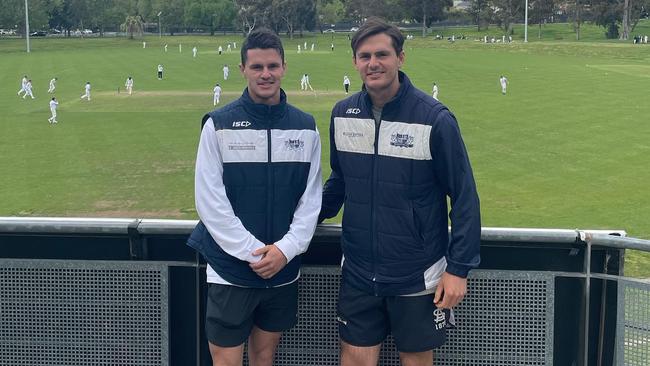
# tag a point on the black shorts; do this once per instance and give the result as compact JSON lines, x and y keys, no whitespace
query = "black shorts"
{"x":414,"y":321}
{"x":232,"y":311}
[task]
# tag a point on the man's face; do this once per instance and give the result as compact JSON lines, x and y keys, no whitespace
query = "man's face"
{"x":263,"y":71}
{"x":378,"y":64}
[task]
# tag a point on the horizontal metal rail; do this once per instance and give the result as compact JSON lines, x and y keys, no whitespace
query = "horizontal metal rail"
{"x":118,"y":226}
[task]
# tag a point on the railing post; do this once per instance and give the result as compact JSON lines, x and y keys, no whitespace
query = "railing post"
{"x":587,"y":294}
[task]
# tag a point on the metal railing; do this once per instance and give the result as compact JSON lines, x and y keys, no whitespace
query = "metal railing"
{"x":632,"y":328}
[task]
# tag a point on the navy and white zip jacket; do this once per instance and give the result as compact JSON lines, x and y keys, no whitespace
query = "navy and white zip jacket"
{"x":258,"y":182}
{"x":394,"y":179}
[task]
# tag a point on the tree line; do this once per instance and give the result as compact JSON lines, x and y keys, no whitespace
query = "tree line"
{"x":617,"y":17}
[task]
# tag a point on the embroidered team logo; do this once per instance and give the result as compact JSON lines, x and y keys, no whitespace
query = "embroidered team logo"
{"x":401,"y":140}
{"x":294,"y":145}
{"x":353,"y":111}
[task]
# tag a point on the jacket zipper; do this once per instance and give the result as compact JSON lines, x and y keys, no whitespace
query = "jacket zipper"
{"x":270,"y":189}
{"x":373,"y":184}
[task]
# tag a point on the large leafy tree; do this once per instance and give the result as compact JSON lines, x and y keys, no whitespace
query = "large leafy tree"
{"x":12,"y":15}
{"x":425,"y":11}
{"x":506,"y":13}
{"x":362,"y":9}
{"x":607,"y":14}
{"x":482,"y":13}
{"x":133,"y":24}
{"x":330,"y":12}
{"x":541,"y":11}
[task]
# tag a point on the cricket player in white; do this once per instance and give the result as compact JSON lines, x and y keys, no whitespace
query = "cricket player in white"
{"x":229,"y":49}
{"x":504,"y":84}
{"x":23,"y":84}
{"x":28,"y":89}
{"x":160,"y":72}
{"x":226,"y":72}
{"x":307,"y":83}
{"x":303,"y":82}
{"x":52,"y":86}
{"x":435,"y":91}
{"x":217,"y":94}
{"x":165,"y":47}
{"x":220,"y":50}
{"x":194,"y":52}
{"x":346,"y":83}
{"x":129,"y":85}
{"x":87,"y":90}
{"x":53,"y":105}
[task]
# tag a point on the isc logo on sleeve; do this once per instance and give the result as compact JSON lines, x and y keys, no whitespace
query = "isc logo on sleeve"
{"x":241,"y":124}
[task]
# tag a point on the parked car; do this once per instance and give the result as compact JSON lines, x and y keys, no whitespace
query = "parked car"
{"x":38,"y":34}
{"x":329,"y":30}
{"x":354,"y":29}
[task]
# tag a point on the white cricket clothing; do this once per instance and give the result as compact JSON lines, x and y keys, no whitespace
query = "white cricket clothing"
{"x":87,"y":94}
{"x":303,"y":82}
{"x":346,"y":80}
{"x":23,"y":86}
{"x":307,"y":83}
{"x":218,"y":216}
{"x":504,"y":84}
{"x":129,"y":85}
{"x":53,"y":105}
{"x":28,"y":90}
{"x":52,"y":86}
{"x":217,"y":95}
{"x":435,"y":92}
{"x":194,"y":52}
{"x":226,"y":72}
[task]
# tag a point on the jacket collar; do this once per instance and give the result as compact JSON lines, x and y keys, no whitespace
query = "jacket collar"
{"x":263,"y":111}
{"x":404,"y":87}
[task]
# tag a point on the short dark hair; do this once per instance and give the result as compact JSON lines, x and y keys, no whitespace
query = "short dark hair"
{"x":373,"y":26}
{"x":263,"y":38}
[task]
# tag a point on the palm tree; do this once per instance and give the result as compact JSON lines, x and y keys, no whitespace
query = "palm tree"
{"x":133,"y":24}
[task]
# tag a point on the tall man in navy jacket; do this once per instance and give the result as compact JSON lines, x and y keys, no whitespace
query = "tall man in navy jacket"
{"x":258,"y":195}
{"x":396,"y":156}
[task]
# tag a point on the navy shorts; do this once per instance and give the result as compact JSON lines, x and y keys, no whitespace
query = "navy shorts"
{"x":232,"y":311}
{"x":414,"y":321}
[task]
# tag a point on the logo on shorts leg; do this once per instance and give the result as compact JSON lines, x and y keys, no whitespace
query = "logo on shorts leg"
{"x":439,"y":319}
{"x":340,"y":320}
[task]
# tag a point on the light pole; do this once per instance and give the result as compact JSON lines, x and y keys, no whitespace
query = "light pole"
{"x":526,"y":23}
{"x":27,"y":25}
{"x":159,"y":29}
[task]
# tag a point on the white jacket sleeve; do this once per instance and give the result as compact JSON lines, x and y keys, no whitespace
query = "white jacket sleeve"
{"x":296,"y":240}
{"x":212,"y":204}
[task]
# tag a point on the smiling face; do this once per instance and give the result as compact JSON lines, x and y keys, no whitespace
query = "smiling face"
{"x":378,"y":64}
{"x":263,"y":71}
